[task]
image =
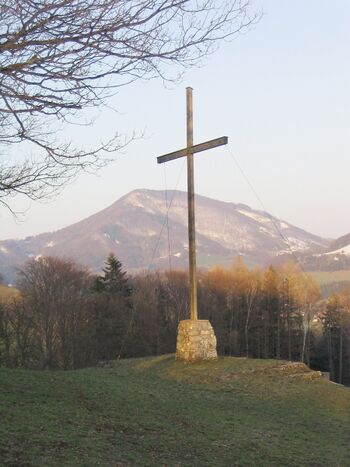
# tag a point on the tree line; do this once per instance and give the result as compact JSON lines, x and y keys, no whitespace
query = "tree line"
{"x":64,"y":317}
{"x":336,"y":327}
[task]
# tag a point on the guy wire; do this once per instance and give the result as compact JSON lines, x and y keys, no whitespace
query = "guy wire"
{"x":272,"y":219}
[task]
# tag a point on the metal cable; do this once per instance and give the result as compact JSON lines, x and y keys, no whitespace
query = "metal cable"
{"x":273,"y":220}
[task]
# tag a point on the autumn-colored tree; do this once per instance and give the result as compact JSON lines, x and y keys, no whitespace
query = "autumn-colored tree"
{"x":60,"y":320}
{"x":271,"y":316}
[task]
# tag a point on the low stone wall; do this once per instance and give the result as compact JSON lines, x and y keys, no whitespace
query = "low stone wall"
{"x":196,"y":341}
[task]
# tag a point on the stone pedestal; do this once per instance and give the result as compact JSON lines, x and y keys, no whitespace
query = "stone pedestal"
{"x":196,"y":341}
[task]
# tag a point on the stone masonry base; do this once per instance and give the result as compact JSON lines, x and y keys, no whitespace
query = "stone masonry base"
{"x":196,"y":341}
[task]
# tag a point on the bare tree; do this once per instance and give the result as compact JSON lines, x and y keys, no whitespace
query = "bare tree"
{"x":16,"y":333}
{"x":56,"y":292}
{"x":59,"y":57}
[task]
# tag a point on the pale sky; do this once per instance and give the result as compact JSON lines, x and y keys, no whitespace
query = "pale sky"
{"x":280,"y":93}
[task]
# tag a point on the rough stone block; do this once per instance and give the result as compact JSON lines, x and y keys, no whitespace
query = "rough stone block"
{"x":196,"y":341}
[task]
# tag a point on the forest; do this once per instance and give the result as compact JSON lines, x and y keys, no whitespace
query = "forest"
{"x":64,"y":317}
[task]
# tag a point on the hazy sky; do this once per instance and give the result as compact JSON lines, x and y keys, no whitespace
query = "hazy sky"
{"x":280,"y":93}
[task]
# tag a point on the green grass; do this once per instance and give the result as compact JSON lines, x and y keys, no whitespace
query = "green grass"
{"x":159,"y":412}
{"x":328,"y":277}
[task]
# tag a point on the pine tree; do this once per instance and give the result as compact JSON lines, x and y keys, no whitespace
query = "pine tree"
{"x":112,"y":310}
{"x":114,"y":279}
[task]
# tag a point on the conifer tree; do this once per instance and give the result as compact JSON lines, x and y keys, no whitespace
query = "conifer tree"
{"x":112,"y":309}
{"x":114,"y":279}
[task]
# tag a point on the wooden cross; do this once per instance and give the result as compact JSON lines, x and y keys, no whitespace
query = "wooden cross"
{"x":188,"y":152}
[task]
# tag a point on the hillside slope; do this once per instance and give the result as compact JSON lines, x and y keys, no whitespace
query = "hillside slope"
{"x":136,"y":229}
{"x":335,"y":258}
{"x":157,"y":411}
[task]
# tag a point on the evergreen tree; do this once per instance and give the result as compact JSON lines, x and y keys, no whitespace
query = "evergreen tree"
{"x":114,"y":279}
{"x":112,"y":310}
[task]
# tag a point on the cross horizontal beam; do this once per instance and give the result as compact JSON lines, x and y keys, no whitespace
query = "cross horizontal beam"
{"x":213,"y":143}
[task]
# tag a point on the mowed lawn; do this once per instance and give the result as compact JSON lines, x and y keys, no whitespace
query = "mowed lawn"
{"x":159,"y":412}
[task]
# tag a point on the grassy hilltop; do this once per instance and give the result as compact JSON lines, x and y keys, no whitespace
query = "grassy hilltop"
{"x":159,"y":412}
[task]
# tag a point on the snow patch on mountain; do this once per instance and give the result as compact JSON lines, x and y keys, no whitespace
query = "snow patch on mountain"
{"x":282,"y":252}
{"x":253,"y":215}
{"x":341,"y":251}
{"x":283,"y":225}
{"x":146,"y":202}
{"x":134,"y":200}
{"x":132,"y":224}
{"x":267,"y":232}
{"x":296,"y":244}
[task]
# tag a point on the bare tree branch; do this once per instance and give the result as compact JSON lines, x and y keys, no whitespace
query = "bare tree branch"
{"x":59,"y":57}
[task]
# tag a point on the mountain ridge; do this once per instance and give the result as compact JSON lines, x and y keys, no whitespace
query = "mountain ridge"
{"x":136,"y":226}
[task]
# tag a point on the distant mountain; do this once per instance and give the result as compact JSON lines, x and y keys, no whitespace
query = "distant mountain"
{"x":335,"y":258}
{"x":138,"y":231}
{"x":341,"y":245}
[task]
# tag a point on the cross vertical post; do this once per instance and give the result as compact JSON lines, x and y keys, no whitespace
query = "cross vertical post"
{"x":191,"y":215}
{"x":196,"y":339}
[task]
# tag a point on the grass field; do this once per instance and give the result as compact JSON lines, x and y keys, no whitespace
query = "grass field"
{"x":159,"y":412}
{"x":327,"y":277}
{"x":7,"y":293}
